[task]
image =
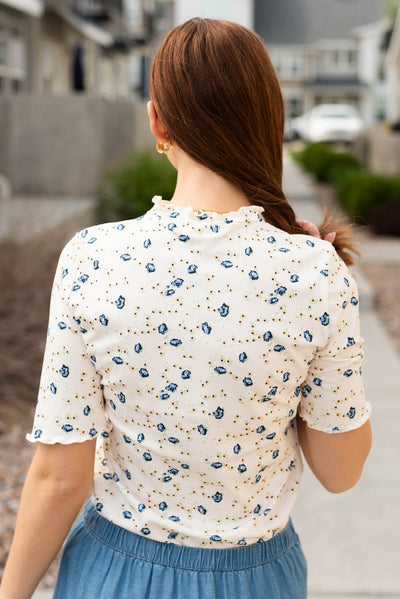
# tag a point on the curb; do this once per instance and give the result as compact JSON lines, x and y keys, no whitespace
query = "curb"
{"x":365,"y":290}
{"x":5,"y":188}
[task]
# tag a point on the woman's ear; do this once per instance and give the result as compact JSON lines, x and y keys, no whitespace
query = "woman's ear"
{"x":157,"y":128}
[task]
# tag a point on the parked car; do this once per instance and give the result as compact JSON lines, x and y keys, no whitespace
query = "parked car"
{"x":327,"y":123}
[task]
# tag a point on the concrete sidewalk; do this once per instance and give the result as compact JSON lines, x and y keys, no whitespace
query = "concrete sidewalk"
{"x":352,"y":540}
{"x":299,"y":190}
{"x":23,"y":218}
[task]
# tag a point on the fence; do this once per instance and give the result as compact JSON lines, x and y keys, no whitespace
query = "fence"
{"x":379,"y":151}
{"x":60,"y":145}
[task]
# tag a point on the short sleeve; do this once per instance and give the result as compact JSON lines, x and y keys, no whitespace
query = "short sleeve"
{"x":70,"y":401}
{"x":333,"y":398}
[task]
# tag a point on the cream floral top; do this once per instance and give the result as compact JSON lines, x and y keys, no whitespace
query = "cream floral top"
{"x":186,"y":343}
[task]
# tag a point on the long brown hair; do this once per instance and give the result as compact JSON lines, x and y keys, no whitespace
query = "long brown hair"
{"x":219,"y":99}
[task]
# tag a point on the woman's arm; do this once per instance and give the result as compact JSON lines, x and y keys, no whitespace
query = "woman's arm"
{"x":336,"y":459}
{"x":58,"y":482}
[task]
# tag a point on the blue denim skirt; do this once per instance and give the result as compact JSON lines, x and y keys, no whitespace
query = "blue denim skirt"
{"x":104,"y":561}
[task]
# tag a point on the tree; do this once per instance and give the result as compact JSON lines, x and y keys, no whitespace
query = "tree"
{"x":391,"y":9}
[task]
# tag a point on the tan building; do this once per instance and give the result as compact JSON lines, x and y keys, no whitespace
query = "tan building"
{"x":74,"y":54}
{"x":68,"y":105}
{"x":58,"y":47}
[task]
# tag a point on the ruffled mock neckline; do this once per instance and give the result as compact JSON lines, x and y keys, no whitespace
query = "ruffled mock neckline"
{"x":244,"y":213}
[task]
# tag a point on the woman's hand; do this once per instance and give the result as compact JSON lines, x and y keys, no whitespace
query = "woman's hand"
{"x":313,"y":230}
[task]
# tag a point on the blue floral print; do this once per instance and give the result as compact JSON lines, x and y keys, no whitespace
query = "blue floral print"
{"x":224,"y":310}
{"x":185,"y":343}
{"x":64,"y":370}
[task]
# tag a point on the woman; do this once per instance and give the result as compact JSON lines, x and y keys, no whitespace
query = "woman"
{"x":189,"y":353}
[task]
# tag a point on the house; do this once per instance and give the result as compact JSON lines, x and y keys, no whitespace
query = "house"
{"x":82,"y":46}
{"x":327,"y":51}
{"x":63,"y":46}
{"x":67,"y":108}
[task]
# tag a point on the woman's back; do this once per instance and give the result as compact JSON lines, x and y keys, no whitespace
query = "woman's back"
{"x":203,"y":332}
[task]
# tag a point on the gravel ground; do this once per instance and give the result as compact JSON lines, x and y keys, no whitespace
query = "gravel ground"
{"x":385,"y":281}
{"x":26,"y":275}
{"x":16,"y":454}
{"x":25,"y":284}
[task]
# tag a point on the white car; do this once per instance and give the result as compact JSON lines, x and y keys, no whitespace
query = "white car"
{"x":329,"y":123}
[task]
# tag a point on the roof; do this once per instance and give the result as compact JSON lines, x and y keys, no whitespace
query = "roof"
{"x":331,"y":84}
{"x":34,"y":8}
{"x":93,"y":32}
{"x":303,"y":22}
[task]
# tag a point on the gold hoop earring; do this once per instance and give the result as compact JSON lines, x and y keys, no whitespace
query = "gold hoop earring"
{"x":162,"y":148}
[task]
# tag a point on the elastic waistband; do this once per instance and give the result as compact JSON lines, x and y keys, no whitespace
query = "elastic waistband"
{"x":183,"y":556}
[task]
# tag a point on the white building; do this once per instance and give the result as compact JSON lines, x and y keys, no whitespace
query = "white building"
{"x":329,"y":53}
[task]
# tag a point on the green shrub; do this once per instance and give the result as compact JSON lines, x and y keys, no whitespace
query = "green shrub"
{"x":297,"y":155}
{"x":127,"y":191}
{"x":340,"y":165}
{"x":365,"y":197}
{"x":325,"y":163}
{"x":361,"y":194}
{"x":315,"y":158}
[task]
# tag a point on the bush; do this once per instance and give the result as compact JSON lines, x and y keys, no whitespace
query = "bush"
{"x":365,"y":197}
{"x":373,"y":198}
{"x":340,"y":166}
{"x":328,"y":165}
{"x":315,"y":158}
{"x":127,"y":192}
{"x":297,"y":155}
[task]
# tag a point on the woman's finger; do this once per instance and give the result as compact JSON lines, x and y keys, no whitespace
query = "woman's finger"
{"x":310,"y":228}
{"x":330,"y":237}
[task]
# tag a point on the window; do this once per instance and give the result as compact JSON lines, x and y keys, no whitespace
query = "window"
{"x":381,"y":109}
{"x":287,"y":64}
{"x":3,"y":43}
{"x":17,"y":50}
{"x":163,"y":15}
{"x":352,"y":57}
{"x":133,"y":14}
{"x":16,"y":85}
{"x":12,"y":55}
{"x":93,"y":8}
{"x":277,"y":60}
{"x":294,"y":107}
{"x":338,"y":61}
